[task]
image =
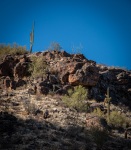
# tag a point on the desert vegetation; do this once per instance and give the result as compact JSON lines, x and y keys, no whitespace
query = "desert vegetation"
{"x":119,"y":120}
{"x":12,"y":49}
{"x":38,"y":66}
{"x":54,"y":46}
{"x":77,"y":98}
{"x":60,"y":104}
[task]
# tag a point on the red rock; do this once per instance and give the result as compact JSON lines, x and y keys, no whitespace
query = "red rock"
{"x":87,"y":76}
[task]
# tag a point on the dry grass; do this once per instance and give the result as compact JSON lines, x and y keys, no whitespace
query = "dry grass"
{"x":12,"y":49}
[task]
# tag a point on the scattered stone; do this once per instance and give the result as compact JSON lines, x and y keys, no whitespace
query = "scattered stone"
{"x":46,"y":114}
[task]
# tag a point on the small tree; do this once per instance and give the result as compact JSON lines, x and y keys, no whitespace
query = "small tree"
{"x":55,"y":46}
{"x":77,"y":98}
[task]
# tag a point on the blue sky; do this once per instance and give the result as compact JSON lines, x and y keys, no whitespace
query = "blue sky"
{"x":101,"y":27}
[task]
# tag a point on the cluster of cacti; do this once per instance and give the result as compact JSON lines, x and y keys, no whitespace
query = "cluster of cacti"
{"x":107,"y":100}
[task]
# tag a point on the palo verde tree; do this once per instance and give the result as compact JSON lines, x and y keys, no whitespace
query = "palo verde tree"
{"x":76,"y":98}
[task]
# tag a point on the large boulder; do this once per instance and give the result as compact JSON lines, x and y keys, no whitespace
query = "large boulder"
{"x":73,"y":67}
{"x":6,"y":67}
{"x":88,"y":75}
{"x":21,"y":70}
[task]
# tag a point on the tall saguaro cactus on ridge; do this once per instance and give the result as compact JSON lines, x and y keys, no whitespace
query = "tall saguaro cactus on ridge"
{"x":32,"y":37}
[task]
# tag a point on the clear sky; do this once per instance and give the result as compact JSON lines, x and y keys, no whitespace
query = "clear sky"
{"x":101,"y":27}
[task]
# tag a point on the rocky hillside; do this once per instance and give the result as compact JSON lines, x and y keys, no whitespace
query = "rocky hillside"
{"x":64,"y":70}
{"x":33,"y":115}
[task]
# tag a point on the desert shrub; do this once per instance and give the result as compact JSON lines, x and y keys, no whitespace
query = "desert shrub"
{"x":76,"y":98}
{"x":99,"y":136}
{"x":13,"y":50}
{"x":117,"y":120}
{"x":98,"y":112}
{"x":38,"y":67}
{"x":55,"y":46}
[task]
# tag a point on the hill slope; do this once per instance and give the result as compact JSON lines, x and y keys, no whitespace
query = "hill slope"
{"x":33,"y":115}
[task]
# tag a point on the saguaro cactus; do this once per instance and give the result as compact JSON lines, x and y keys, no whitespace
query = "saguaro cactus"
{"x":32,"y":37}
{"x":107,"y":100}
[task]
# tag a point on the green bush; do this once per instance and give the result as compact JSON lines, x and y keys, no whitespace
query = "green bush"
{"x":98,"y":112}
{"x":38,"y":66}
{"x":76,"y":98}
{"x":118,"y":120}
{"x":13,"y":50}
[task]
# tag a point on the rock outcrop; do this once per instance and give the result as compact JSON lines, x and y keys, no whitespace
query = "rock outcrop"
{"x":87,"y":76}
{"x":119,"y":82}
{"x":6,"y":67}
{"x":72,"y":70}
